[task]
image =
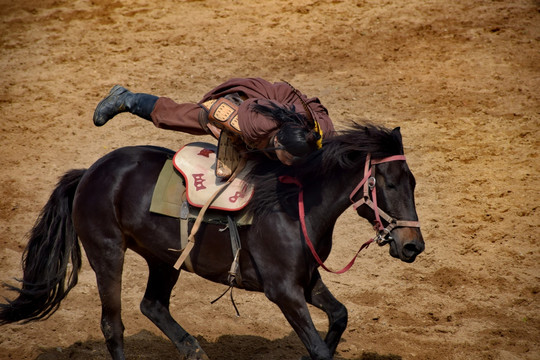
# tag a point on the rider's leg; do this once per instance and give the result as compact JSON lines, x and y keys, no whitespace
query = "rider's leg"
{"x":162,"y":111}
{"x":121,"y":100}
{"x":183,"y":117}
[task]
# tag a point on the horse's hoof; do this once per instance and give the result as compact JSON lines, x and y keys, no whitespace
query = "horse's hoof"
{"x":192,"y":350}
{"x":198,"y":354}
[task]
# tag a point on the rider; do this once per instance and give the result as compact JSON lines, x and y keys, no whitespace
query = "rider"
{"x":272,"y":117}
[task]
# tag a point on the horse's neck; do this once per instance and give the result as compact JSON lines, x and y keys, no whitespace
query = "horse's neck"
{"x":326,"y":202}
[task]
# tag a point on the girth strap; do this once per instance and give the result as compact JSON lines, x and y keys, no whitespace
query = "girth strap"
{"x":198,"y":221}
{"x":234,"y":272}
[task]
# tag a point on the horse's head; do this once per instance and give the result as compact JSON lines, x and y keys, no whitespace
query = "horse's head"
{"x":388,"y":203}
{"x":335,"y":167}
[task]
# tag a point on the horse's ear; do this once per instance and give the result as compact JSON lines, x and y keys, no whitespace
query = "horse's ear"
{"x":397,"y":133}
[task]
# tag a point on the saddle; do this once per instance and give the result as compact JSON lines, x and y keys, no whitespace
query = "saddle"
{"x":184,"y":187}
{"x":197,"y":163}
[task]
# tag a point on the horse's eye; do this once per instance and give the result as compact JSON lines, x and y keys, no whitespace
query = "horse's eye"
{"x":391,"y":186}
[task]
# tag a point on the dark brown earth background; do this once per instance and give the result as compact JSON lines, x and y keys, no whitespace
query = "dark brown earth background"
{"x":461,"y":78}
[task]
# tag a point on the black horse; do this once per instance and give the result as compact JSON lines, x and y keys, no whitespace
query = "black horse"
{"x":106,"y":207}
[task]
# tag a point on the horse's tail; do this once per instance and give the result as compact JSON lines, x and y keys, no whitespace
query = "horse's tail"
{"x":48,"y":277}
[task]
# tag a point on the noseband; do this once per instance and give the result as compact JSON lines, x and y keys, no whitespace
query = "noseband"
{"x":368,"y":183}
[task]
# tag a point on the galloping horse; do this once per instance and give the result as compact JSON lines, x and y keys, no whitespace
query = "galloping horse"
{"x":106,"y":207}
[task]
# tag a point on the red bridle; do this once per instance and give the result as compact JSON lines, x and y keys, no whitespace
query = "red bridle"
{"x":368,"y":183}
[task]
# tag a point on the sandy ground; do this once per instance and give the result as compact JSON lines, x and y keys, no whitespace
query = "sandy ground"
{"x":461,"y":78}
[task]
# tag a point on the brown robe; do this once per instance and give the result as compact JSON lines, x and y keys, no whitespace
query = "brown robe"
{"x":257,"y":130}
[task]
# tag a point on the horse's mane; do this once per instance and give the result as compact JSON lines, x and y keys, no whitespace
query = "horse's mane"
{"x":346,"y":150}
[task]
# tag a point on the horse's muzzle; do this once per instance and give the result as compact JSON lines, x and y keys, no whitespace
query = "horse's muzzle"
{"x":411,"y":250}
{"x":407,"y":244}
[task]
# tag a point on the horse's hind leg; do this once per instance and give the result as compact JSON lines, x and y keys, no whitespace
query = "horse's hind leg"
{"x":319,"y":296}
{"x":107,"y":262}
{"x":155,"y":305}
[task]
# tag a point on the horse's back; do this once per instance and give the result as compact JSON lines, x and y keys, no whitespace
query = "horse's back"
{"x":116,"y":170}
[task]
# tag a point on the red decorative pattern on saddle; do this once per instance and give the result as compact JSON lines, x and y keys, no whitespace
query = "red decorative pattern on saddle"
{"x":206,"y":152}
{"x":197,"y":163}
{"x":198,"y":181}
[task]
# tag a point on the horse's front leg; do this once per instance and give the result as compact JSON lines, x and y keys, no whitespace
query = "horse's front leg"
{"x":319,"y":296}
{"x":293,"y":304}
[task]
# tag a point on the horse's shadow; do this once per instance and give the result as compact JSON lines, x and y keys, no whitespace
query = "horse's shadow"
{"x":148,"y":346}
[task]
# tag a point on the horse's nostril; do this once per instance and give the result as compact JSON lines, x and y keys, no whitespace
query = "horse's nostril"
{"x":413,"y":248}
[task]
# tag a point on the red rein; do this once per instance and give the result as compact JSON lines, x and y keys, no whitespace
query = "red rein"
{"x":301,"y":213}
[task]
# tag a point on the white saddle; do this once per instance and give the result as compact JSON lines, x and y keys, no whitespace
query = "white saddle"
{"x":197,"y":162}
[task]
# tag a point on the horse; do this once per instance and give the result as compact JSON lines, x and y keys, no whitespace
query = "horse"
{"x":105,"y":208}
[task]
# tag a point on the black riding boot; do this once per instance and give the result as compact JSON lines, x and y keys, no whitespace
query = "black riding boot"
{"x":120,"y":100}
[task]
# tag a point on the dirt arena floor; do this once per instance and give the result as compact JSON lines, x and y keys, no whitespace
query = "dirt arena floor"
{"x":461,"y":78}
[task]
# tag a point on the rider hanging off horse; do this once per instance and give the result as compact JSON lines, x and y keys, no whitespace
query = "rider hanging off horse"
{"x":256,"y":116}
{"x":363,"y":166}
